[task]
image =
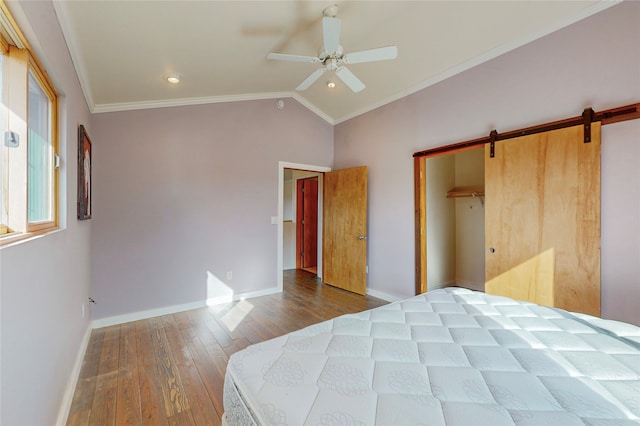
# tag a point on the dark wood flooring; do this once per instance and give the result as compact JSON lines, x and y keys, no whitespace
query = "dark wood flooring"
{"x":169,"y":370}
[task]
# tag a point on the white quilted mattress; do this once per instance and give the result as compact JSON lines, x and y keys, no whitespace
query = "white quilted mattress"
{"x":447,"y":357}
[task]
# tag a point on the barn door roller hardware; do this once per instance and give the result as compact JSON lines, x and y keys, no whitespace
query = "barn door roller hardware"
{"x":493,"y":136}
{"x":613,"y":115}
{"x":587,"y":118}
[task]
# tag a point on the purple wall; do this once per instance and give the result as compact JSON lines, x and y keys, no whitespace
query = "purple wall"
{"x":45,"y":281}
{"x":181,"y":193}
{"x":621,"y":221}
{"x":593,"y":63}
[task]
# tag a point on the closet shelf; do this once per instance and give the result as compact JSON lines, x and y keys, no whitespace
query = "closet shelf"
{"x":465,"y":192}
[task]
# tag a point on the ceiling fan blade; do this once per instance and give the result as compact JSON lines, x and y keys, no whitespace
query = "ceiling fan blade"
{"x":350,"y":79}
{"x":311,"y":79}
{"x":292,"y":58}
{"x":331,"y":34}
{"x":379,"y":54}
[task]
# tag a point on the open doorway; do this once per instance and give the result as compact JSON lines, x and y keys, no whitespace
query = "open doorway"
{"x":302,"y":220}
{"x":307,"y":215}
{"x":342,"y":224}
{"x":288,"y":252}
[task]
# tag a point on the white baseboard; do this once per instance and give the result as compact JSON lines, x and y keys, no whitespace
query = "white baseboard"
{"x":135,"y":316}
{"x":242,"y":296}
{"x":383,"y":296}
{"x":67,"y":398}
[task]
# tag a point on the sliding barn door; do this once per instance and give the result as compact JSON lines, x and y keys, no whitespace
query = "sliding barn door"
{"x":542,"y":219}
{"x":344,"y":227}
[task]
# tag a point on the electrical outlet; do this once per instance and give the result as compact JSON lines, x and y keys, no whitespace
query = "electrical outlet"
{"x":229,"y":275}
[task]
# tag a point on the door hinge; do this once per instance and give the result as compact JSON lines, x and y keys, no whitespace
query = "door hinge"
{"x":56,"y":161}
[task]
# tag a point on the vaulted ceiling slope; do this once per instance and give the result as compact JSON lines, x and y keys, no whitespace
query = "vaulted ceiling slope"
{"x":123,"y":50}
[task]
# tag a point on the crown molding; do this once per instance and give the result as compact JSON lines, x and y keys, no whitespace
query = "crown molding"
{"x":130,"y":106}
{"x":166,"y":103}
{"x":62,"y":12}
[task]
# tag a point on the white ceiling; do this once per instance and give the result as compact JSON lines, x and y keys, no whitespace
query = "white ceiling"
{"x":123,"y":49}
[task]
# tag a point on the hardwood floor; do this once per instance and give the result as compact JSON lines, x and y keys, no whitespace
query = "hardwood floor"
{"x":169,"y":370}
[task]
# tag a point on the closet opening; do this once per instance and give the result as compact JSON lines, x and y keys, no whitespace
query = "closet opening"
{"x":454,"y":195}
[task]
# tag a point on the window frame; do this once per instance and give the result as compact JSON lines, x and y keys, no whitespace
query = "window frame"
{"x":42,"y":80}
{"x":4,"y":52}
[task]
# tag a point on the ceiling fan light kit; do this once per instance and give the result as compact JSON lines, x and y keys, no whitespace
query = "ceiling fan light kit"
{"x":332,"y":56}
{"x":330,"y":11}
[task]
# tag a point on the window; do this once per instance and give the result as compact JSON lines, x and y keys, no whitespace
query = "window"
{"x":40,"y":156}
{"x":28,"y":126}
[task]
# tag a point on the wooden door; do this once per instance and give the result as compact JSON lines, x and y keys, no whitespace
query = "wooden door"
{"x":345,"y":229}
{"x":542,"y":219}
{"x":307,"y":223}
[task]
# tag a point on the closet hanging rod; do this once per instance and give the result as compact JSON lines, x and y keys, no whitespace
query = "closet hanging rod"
{"x":462,"y":193}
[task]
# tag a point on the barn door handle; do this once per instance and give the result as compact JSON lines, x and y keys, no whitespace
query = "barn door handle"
{"x":362,"y":237}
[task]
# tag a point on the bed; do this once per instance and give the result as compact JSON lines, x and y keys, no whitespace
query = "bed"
{"x":447,"y":357}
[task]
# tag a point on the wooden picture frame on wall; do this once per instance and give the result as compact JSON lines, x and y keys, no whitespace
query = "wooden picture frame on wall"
{"x":84,"y":174}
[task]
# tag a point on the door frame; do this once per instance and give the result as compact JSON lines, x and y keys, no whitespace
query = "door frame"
{"x":278,"y":219}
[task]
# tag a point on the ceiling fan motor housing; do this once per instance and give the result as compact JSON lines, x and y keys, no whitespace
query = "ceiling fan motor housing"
{"x":325,"y":56}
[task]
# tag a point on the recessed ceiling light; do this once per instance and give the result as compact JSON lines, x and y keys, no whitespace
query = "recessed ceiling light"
{"x":331,"y":84}
{"x":173,"y":78}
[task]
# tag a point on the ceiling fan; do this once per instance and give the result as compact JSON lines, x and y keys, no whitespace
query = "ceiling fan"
{"x":333,"y":58}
